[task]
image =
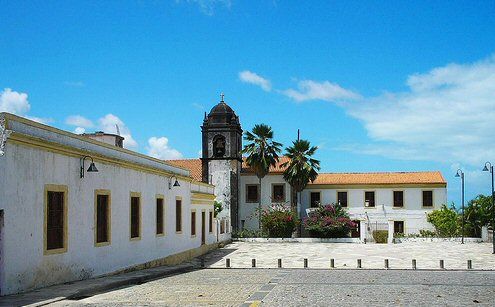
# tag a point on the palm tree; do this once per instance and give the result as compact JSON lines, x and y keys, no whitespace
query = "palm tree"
{"x":300,"y":169}
{"x":262,"y":153}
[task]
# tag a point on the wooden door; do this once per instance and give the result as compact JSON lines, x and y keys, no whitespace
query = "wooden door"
{"x":203,"y":227}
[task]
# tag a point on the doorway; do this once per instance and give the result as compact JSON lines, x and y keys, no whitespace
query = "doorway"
{"x":399,"y":227}
{"x":356,"y":232}
{"x":203,"y":227}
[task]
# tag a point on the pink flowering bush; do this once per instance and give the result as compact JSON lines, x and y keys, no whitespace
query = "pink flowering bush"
{"x":329,"y":221}
{"x":279,"y":221}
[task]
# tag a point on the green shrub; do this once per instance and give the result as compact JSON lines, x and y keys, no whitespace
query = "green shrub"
{"x":445,"y":221}
{"x":425,"y":233}
{"x":217,"y":208}
{"x":330,"y":221}
{"x":380,"y":236}
{"x":247,"y":233}
{"x":478,"y":213}
{"x":279,"y":221}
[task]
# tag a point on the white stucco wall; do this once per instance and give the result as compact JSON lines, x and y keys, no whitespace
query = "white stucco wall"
{"x":248,"y":210}
{"x":220,"y":176}
{"x":413,"y":213}
{"x":24,"y":172}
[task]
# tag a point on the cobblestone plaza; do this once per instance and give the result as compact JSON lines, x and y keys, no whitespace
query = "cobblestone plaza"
{"x":318,"y":285}
{"x":297,"y":287}
{"x":400,"y":256}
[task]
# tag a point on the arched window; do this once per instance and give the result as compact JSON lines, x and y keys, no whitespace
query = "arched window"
{"x":219,"y":146}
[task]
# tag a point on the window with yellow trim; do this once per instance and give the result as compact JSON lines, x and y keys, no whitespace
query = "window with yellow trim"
{"x":193,"y":223}
{"x":135,"y":218}
{"x":159,"y":216}
{"x":55,"y":220}
{"x":178,"y":215}
{"x":102,"y":218}
{"x":210,"y":222}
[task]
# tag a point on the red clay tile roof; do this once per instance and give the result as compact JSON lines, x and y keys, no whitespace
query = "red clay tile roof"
{"x":193,"y":165}
{"x":273,"y":169}
{"x":381,"y":178}
{"x":434,"y":177}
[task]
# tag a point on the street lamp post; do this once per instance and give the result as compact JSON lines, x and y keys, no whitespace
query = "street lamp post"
{"x":460,"y":173}
{"x":489,"y":168}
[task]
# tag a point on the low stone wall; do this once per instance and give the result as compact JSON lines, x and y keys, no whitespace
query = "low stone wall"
{"x":456,"y":239}
{"x":299,"y":240}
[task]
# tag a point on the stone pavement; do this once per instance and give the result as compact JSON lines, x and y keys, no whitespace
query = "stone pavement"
{"x":243,"y":285}
{"x":89,"y":287}
{"x":427,"y":255}
{"x":305,"y":287}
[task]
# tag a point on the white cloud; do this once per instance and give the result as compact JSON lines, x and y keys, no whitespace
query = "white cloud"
{"x":447,"y":115}
{"x":14,"y":102}
{"x":78,"y":120}
{"x":18,"y":104}
{"x":108,"y":124}
{"x":79,"y":130}
{"x":253,"y":78}
{"x":314,"y":90}
{"x":159,"y":148}
{"x":207,"y":7}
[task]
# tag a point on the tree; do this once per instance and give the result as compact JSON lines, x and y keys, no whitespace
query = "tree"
{"x":262,"y":152}
{"x":300,"y":169}
{"x":445,"y":221}
{"x":478,"y":213}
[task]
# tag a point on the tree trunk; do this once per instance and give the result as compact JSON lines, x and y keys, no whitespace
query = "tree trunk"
{"x":298,"y":229}
{"x":293,"y":202}
{"x":293,"y":205}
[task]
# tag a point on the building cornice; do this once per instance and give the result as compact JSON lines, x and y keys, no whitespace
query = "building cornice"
{"x":29,"y":141}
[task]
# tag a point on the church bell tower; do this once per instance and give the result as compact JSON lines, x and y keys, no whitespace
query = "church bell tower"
{"x":222,"y":158}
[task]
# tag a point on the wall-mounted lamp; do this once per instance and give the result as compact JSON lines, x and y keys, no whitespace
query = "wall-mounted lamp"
{"x":176,"y":183}
{"x":91,"y":169}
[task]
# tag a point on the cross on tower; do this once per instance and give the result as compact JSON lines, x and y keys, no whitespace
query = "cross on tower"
{"x":221,"y":97}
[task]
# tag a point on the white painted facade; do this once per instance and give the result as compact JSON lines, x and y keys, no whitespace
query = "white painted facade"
{"x":413,"y":214}
{"x":247,"y":210}
{"x":221,"y":179}
{"x":37,"y":156}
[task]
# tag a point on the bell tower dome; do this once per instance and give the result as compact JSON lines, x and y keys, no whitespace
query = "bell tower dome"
{"x":221,"y":156}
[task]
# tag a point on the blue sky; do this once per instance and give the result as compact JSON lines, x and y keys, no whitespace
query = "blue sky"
{"x":378,"y":86}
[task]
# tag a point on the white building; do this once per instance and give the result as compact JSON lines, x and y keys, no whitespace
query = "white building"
{"x":397,"y":202}
{"x":57,"y":226}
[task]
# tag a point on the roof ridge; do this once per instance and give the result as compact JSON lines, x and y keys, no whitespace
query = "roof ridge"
{"x":391,"y":172}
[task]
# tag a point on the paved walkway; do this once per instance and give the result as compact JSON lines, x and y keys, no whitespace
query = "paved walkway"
{"x":427,"y":255}
{"x":238,"y":285}
{"x":88,"y":287}
{"x":305,"y":287}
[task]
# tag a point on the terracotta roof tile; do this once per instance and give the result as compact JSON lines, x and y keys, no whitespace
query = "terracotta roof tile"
{"x":193,"y":165}
{"x":434,"y":177}
{"x":273,"y":169}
